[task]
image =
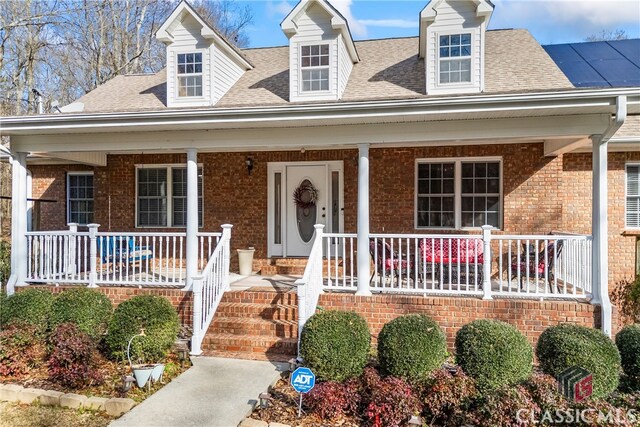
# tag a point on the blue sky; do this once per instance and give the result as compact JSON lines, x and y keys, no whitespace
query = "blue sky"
{"x":550,"y":21}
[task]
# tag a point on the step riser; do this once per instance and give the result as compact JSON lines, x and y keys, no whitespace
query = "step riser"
{"x":258,"y":312}
{"x":215,"y":343}
{"x":259,"y":297}
{"x":267,"y":329}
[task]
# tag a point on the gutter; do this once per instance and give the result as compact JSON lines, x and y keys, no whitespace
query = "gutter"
{"x":618,"y":121}
{"x":600,"y":99}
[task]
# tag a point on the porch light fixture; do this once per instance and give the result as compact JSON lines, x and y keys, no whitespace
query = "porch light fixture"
{"x":249,"y":163}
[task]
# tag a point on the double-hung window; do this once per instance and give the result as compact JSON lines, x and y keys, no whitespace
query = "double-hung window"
{"x":162,"y":196}
{"x":80,"y":197}
{"x":189,"y":74}
{"x":632,"y":202}
{"x":314,"y":60}
{"x":458,"y":193}
{"x":454,"y":56}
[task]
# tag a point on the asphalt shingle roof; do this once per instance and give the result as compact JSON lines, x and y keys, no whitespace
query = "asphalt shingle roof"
{"x":389,"y":69}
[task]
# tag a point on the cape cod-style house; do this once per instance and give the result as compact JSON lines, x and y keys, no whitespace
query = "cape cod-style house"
{"x":459,"y":173}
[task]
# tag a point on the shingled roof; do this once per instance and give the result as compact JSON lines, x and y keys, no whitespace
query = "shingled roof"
{"x":389,"y":69}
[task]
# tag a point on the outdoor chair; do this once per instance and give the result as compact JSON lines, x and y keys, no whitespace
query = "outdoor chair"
{"x":543,"y":270}
{"x":455,"y":256}
{"x":122,"y":250}
{"x":387,"y":261}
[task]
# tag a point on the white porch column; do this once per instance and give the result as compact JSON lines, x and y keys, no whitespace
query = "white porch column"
{"x":192,"y":216}
{"x":363,"y":220}
{"x":600,"y":231}
{"x":18,"y":222}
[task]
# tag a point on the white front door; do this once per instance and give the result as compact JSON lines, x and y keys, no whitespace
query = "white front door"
{"x":306,"y":205}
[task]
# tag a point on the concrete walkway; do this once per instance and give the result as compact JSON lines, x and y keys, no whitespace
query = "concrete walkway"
{"x":215,"y":392}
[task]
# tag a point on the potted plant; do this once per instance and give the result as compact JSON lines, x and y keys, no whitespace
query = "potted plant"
{"x":144,"y":372}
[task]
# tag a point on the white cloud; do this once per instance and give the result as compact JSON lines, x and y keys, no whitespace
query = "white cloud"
{"x":282,"y":8}
{"x":393,"y":23}
{"x":344,"y":7}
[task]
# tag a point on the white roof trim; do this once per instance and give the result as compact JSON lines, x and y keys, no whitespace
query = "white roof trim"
{"x":164,"y":32}
{"x":338,"y":22}
{"x":484,"y":9}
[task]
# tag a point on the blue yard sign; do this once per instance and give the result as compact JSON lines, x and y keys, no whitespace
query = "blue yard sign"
{"x":303,"y":380}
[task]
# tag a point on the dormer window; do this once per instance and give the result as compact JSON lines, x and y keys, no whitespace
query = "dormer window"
{"x":455,"y":58}
{"x":315,"y":67}
{"x":189,"y":74}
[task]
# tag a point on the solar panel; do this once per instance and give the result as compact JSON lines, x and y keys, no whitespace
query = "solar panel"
{"x":629,"y":48}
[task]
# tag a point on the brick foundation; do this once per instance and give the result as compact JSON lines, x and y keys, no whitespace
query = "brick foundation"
{"x":181,"y":300}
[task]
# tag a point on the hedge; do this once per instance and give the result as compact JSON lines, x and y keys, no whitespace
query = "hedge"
{"x":567,"y":345}
{"x":628,"y":343}
{"x":335,"y":344}
{"x":494,"y":353}
{"x":88,"y":309}
{"x":152,"y":313}
{"x":31,"y":306}
{"x":411,"y":346}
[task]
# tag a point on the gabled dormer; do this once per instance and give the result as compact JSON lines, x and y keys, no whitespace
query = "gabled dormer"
{"x":321,"y":51}
{"x":452,"y":39}
{"x":201,"y":65}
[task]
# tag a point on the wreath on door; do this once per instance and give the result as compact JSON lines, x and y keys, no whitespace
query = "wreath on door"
{"x":306,"y":195}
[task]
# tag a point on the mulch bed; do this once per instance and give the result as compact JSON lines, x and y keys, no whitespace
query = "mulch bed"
{"x":112,"y":373}
{"x":283,"y":408}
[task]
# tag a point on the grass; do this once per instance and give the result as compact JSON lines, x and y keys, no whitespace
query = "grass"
{"x":16,"y":415}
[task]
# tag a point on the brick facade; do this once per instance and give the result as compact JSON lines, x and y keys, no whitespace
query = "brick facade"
{"x":540,"y":194}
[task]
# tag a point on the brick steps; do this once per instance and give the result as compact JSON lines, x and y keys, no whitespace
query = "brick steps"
{"x":293,"y":266}
{"x":254,"y":324}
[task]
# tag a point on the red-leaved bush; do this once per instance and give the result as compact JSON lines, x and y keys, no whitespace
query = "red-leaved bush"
{"x":73,"y":360}
{"x":332,"y":399}
{"x":20,"y":350}
{"x":388,"y":401}
{"x":446,"y":394}
{"x":501,"y":408}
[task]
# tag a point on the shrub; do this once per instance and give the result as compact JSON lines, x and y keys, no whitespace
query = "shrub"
{"x":628,"y":343}
{"x":5,"y":264}
{"x":626,"y":296}
{"x":86,"y":308}
{"x":332,"y":399}
{"x":335,"y":344}
{"x":567,"y":345}
{"x":544,"y":392}
{"x":411,"y":346}
{"x":32,"y":306}
{"x":73,"y":360}
{"x":389,"y":401}
{"x":152,"y":313}
{"x":507,"y":406}
{"x":446,"y":394}
{"x":20,"y":350}
{"x":494,"y":353}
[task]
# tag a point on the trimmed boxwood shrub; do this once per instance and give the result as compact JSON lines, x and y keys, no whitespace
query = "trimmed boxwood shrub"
{"x":31,"y":306}
{"x":335,"y":344}
{"x":86,"y":308}
{"x":152,"y":313}
{"x":494,"y":353}
{"x":567,"y":345}
{"x":628,"y":343}
{"x":411,"y":346}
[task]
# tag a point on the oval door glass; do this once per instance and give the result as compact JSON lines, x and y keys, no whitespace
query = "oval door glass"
{"x":306,"y":215}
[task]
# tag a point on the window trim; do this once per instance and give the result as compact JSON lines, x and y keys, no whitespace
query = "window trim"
{"x":329,"y":67}
{"x":626,"y":194}
{"x":168,"y":167}
{"x":457,"y":189}
{"x":178,"y":75}
{"x":472,"y":58}
{"x":68,"y":195}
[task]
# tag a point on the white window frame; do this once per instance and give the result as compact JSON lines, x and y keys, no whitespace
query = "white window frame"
{"x":79,"y":173}
{"x":320,"y":67}
{"x":201,"y":73}
{"x":626,"y":194}
{"x":169,"y":168}
{"x":457,"y":186}
{"x":472,"y":59}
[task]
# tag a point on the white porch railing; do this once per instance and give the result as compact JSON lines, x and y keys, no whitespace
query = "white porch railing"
{"x":208,"y":289}
{"x":309,"y":287}
{"x":485,"y":265}
{"x":104,"y":258}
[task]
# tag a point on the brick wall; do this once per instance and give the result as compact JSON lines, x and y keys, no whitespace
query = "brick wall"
{"x":451,"y":313}
{"x":182,"y":301}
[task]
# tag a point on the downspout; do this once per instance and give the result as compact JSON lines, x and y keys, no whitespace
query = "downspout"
{"x":601,"y":238}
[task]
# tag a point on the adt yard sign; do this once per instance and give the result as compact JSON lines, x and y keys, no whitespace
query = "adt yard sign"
{"x":303,"y":380}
